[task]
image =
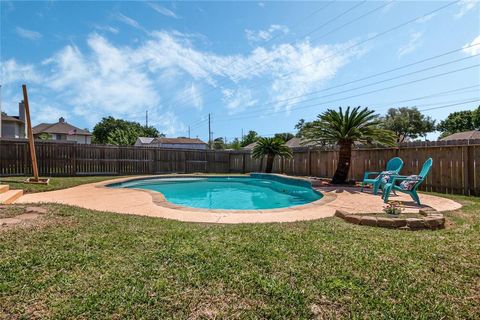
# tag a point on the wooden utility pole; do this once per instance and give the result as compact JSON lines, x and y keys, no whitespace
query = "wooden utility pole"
{"x":31,"y":142}
{"x":209,"y":133}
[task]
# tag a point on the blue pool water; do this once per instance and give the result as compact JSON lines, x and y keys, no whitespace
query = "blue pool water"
{"x":234,"y":193}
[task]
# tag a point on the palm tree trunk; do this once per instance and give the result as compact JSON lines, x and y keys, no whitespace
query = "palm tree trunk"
{"x":344,"y":158}
{"x":270,"y":159}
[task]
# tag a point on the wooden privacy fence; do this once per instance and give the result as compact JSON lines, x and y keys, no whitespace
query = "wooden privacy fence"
{"x":456,"y":167}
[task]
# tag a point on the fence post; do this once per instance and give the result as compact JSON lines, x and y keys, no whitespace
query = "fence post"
{"x":154,"y":167}
{"x":243,"y":162}
{"x":229,"y":159}
{"x":469,"y":172}
{"x":118,"y":160}
{"x":74,"y":160}
{"x":185,"y":161}
{"x":309,"y":162}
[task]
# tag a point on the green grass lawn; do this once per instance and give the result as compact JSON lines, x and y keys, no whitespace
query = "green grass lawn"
{"x":56,"y":183}
{"x":76,"y":263}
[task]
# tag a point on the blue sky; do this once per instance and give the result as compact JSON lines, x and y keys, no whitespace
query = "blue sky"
{"x":252,"y":65}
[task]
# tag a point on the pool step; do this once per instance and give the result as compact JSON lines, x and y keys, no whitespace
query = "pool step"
{"x":4,"y":188}
{"x":10,"y":196}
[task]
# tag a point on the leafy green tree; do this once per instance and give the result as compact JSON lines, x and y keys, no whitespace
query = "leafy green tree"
{"x":121,"y":132}
{"x":45,"y":136}
{"x":271,"y":147}
{"x":250,"y":137}
{"x":344,"y":128}
{"x":299,"y":127}
{"x":218,"y":144}
{"x":284,"y":136}
{"x":235,"y":144}
{"x":121,"y":136}
{"x":460,"y":121}
{"x":408,"y":123}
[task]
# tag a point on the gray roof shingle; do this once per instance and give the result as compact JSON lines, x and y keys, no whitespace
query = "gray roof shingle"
{"x":466,"y":135}
{"x":59,"y":128}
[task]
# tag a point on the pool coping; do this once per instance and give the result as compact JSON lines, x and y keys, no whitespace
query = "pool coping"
{"x":95,"y":196}
{"x":159,"y":198}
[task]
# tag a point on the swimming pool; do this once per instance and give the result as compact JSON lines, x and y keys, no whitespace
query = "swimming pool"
{"x":258,"y":191}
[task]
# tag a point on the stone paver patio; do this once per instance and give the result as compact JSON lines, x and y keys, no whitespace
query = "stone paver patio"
{"x":141,"y":202}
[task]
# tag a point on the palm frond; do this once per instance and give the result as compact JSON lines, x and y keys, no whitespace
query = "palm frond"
{"x":348,"y":126}
{"x":271,"y":146}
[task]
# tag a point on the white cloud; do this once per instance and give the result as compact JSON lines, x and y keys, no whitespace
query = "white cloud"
{"x":107,"y":28}
{"x":265,"y":35}
{"x":465,"y":7}
{"x":28,"y":34}
{"x":46,"y":113}
{"x":426,"y":18}
{"x":389,"y":7}
{"x":169,"y":123}
{"x":411,"y":45}
{"x":12,"y":71}
{"x":162,"y":10}
{"x":107,"y":81}
{"x":238,"y":100}
{"x":473,"y":50}
{"x":124,"y":81}
{"x":191,"y":94}
{"x":129,"y":21}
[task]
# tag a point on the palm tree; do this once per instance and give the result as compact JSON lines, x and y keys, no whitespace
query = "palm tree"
{"x":344,"y":129}
{"x":271,"y":147}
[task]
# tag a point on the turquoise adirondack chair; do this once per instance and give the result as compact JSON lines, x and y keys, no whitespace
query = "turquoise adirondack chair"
{"x":394,"y":166}
{"x":409,"y":184}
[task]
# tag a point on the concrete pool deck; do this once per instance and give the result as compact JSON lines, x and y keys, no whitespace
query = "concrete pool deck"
{"x":97,"y":196}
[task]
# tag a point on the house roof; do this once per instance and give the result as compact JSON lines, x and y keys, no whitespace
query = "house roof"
{"x":8,"y":118}
{"x":177,"y":141}
{"x":466,"y":135}
{"x":59,"y":128}
{"x":145,"y":140}
{"x":298,"y":143}
{"x":250,"y":146}
{"x":292,"y":143}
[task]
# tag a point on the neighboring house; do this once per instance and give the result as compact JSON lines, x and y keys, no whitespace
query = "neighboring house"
{"x":466,"y":135}
{"x":62,"y":131}
{"x":144,"y":142}
{"x":250,"y":146}
{"x":13,"y":127}
{"x":171,"y":143}
{"x":299,"y":143}
{"x":292,"y":143}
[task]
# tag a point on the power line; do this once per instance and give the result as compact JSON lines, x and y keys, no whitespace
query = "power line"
{"x":368,"y":92}
{"x":451,"y":105}
{"x":470,"y":100}
{"x":354,"y":20}
{"x":372,"y":76}
{"x":361,"y":42}
{"x":265,"y":43}
{"x":261,"y":109}
{"x":360,"y":79}
{"x":357,"y":44}
{"x":258,"y":63}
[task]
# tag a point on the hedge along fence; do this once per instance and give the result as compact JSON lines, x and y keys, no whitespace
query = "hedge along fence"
{"x":456,"y":166}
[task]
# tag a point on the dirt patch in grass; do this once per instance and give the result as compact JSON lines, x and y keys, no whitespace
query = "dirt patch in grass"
{"x":32,"y":221}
